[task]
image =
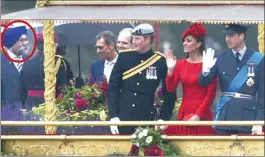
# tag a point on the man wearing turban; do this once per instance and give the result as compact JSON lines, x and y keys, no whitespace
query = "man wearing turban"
{"x":13,"y":44}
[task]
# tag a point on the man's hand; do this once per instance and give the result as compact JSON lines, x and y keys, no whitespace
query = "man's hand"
{"x":114,"y":129}
{"x":163,"y":127}
{"x":208,"y":60}
{"x":256,"y":130}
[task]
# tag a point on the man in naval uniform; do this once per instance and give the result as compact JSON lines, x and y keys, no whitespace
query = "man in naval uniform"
{"x":241,"y":75}
{"x":134,"y":80}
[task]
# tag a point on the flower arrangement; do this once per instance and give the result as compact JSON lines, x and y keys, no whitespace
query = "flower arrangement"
{"x":149,"y":142}
{"x":75,"y":104}
{"x":159,"y":101}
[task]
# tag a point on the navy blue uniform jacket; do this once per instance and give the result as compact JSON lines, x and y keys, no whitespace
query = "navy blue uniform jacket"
{"x":132,"y":99}
{"x":238,"y":109}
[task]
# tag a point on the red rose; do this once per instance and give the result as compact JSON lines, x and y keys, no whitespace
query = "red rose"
{"x":104,"y":87}
{"x":80,"y":103}
{"x":161,"y":153}
{"x":134,"y":150}
{"x":153,"y":151}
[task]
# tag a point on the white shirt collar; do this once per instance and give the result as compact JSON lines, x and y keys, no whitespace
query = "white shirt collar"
{"x":113,"y":61}
{"x":241,"y":52}
{"x":11,"y":54}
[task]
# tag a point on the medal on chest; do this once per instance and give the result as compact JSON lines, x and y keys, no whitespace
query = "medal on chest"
{"x":151,"y":73}
{"x":251,"y":73}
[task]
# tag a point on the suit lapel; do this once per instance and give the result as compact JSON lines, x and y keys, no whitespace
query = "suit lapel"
{"x":9,"y":64}
{"x":101,"y":69}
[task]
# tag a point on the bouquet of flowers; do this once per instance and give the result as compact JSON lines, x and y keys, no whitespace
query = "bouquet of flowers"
{"x":75,"y":104}
{"x":159,"y":101}
{"x":149,"y":142}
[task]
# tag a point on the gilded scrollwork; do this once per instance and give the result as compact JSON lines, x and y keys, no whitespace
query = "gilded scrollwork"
{"x":237,"y":149}
{"x":220,"y":148}
{"x":104,"y":147}
{"x":65,"y":149}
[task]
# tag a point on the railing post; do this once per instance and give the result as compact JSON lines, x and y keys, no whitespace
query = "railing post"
{"x":261,"y":37}
{"x":50,"y":75}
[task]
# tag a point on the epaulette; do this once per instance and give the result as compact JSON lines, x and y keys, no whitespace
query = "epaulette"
{"x":58,"y":63}
{"x":127,"y":50}
{"x":59,"y":56}
{"x":159,"y":53}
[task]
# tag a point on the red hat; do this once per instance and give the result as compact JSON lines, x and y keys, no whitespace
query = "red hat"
{"x":196,"y":30}
{"x":40,"y":37}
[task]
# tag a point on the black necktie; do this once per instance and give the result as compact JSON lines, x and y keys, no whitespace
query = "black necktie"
{"x":237,"y":58}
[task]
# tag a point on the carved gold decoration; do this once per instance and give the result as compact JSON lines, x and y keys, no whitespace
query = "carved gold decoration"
{"x":50,"y":75}
{"x":41,"y":3}
{"x":220,"y":148}
{"x":261,"y":37}
{"x":101,"y":147}
{"x":151,"y":2}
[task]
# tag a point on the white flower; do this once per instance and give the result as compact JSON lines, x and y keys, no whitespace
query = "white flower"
{"x":137,"y":130}
{"x":145,"y":131}
{"x":137,"y":144}
{"x":149,"y":139}
{"x":134,"y":135}
{"x":102,"y":115}
{"x":140,"y":135}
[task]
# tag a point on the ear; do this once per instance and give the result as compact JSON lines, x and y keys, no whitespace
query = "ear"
{"x":112,"y":45}
{"x":241,"y":36}
{"x":199,"y":44}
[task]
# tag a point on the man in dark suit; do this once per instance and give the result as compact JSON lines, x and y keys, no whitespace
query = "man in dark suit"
{"x":106,"y":48}
{"x":241,"y":75}
{"x":134,"y":80}
{"x":10,"y":76}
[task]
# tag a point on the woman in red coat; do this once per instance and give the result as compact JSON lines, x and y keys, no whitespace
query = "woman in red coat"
{"x":196,"y":102}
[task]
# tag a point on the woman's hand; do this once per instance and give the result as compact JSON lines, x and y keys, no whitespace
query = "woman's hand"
{"x":195,"y":118}
{"x":171,"y":61}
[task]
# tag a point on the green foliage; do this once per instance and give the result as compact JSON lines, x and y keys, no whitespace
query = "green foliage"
{"x":115,"y":154}
{"x":169,"y":150}
{"x":147,"y":138}
{"x":176,"y":109}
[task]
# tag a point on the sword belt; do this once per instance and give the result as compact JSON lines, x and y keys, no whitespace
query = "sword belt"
{"x":238,"y":95}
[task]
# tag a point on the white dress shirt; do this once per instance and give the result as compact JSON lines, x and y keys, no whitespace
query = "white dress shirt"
{"x":108,"y":66}
{"x":241,"y":52}
{"x":14,"y":57}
